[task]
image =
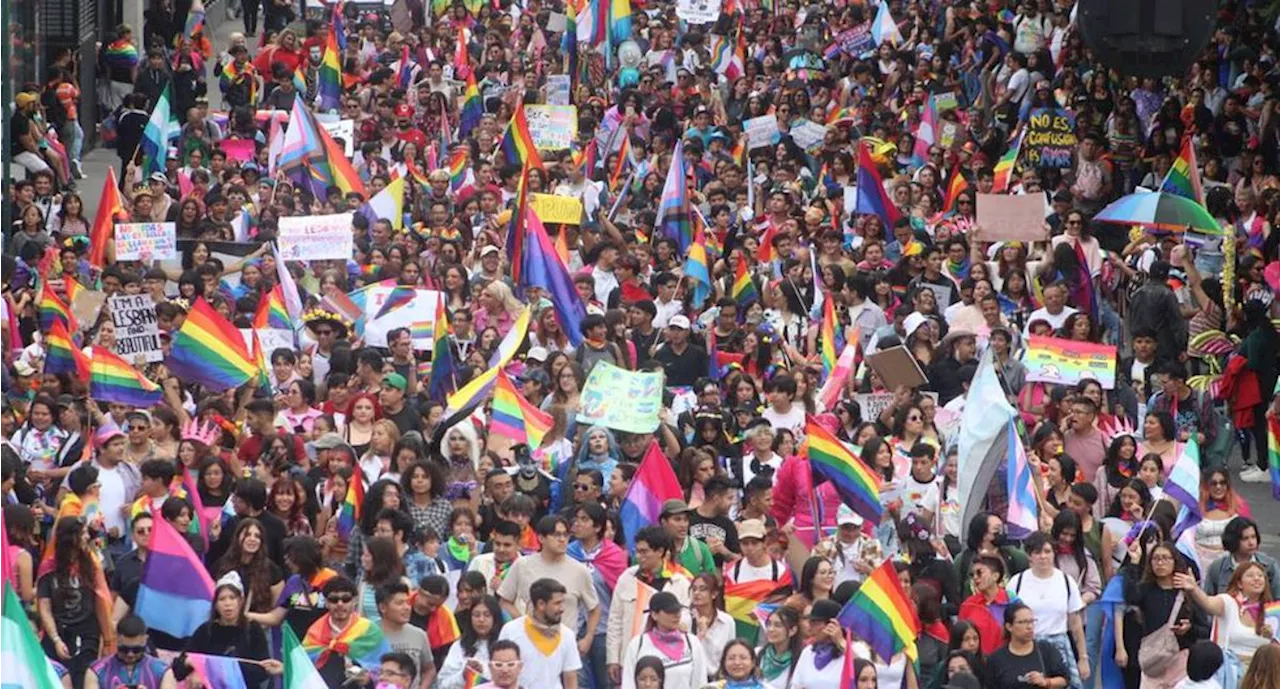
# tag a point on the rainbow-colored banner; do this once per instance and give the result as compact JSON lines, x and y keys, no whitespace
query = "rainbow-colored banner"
{"x":1066,"y":362}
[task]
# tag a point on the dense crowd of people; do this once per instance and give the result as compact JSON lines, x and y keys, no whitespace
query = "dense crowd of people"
{"x":476,"y":560}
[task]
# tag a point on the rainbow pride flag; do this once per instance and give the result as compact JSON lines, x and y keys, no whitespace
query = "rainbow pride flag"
{"x":472,"y":679}
{"x":742,"y":599}
{"x":112,"y":379}
{"x":514,"y":417}
{"x":260,"y":360}
{"x":856,"y":483}
{"x":209,"y":350}
{"x":441,"y":382}
{"x":272,"y":312}
{"x":121,"y":54}
{"x":517,"y":143}
{"x":1183,"y":177}
{"x":398,"y":296}
{"x":61,"y":355}
{"x":72,"y":289}
{"x":54,"y":310}
{"x":880,"y":614}
{"x":442,"y":629}
{"x":110,"y":209}
{"x":457,"y":168}
{"x":349,"y":512}
{"x":361,"y":642}
{"x":480,"y":388}
{"x":957,"y":184}
{"x":827,"y":337}
{"x":329,"y":75}
{"x":654,"y":483}
{"x":1004,"y":167}
{"x":176,"y":590}
{"x":472,"y":108}
{"x":744,"y":288}
{"x":1273,"y":454}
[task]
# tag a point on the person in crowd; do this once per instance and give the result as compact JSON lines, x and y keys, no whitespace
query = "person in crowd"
{"x":542,"y":637}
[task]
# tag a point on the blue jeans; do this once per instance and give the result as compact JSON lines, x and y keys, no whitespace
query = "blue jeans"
{"x":74,"y":140}
{"x":1093,"y":632}
{"x":1063,"y":644}
{"x":594,"y":674}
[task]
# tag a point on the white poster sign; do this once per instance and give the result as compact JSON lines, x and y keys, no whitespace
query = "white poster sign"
{"x":698,"y":11}
{"x":552,"y":127}
{"x":316,"y":237}
{"x":418,"y":316}
{"x":137,"y":332}
{"x":146,"y":241}
{"x":808,"y":135}
{"x":344,"y":130}
{"x":762,"y":131}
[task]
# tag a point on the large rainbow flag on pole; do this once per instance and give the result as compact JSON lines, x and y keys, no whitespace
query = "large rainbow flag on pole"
{"x":517,"y":142}
{"x":1183,"y":177}
{"x":112,"y":379}
{"x":514,"y":417}
{"x":210,"y":351}
{"x":176,"y":590}
{"x":880,"y":615}
{"x":857,"y":484}
{"x":655,"y":482}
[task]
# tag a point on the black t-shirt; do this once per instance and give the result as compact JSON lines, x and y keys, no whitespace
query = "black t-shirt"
{"x":406,"y":419}
{"x":703,"y":528}
{"x":71,"y":598}
{"x":1006,"y":670}
{"x":19,"y":126}
{"x":682,"y":369}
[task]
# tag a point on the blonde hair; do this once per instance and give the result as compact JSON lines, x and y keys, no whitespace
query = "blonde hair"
{"x":500,"y":291}
{"x":391,"y":429}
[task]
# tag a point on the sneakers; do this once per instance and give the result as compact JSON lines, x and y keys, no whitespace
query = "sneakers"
{"x":1253,"y":474}
{"x":76,"y":171}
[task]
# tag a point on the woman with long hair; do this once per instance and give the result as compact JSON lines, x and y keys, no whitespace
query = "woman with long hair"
{"x":738,"y":667}
{"x":498,"y":308}
{"x":1239,"y":615}
{"x":472,"y":649}
{"x":1219,"y":504}
{"x":1156,"y":596}
{"x":19,"y":528}
{"x":376,"y":461}
{"x":783,"y":641}
{"x":1130,"y":506}
{"x":817,"y":581}
{"x":1264,"y":671}
{"x":358,"y":429}
{"x":231,"y":632}
{"x":380,"y":564}
{"x":1056,"y":601}
{"x":247,"y":556}
{"x":989,"y":596}
{"x":288,"y":501}
{"x":73,"y":600}
{"x":381,"y":495}
{"x":714,"y":627}
{"x":1160,"y":436}
{"x":683,"y":658}
{"x":1118,"y":466}
{"x":301,"y":602}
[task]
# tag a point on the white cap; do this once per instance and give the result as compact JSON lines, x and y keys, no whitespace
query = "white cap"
{"x":913,"y":321}
{"x":231,"y":579}
{"x":846,"y":515}
{"x":678,"y":321}
{"x":537,"y":354}
{"x":491,"y":249}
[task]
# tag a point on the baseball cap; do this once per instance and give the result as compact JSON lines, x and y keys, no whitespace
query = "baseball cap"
{"x":490,"y":249}
{"x":913,"y":322}
{"x":396,"y":381}
{"x":24,"y":99}
{"x":674,"y":506}
{"x":158,"y":177}
{"x":846,"y":515}
{"x":751,"y":528}
{"x":403,"y":110}
{"x":824,"y":609}
{"x":537,"y":354}
{"x":23,"y":369}
{"x":678,"y":321}
{"x":329,"y":441}
{"x":536,"y":375}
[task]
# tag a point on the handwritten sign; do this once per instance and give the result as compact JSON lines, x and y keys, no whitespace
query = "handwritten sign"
{"x":561,"y":209}
{"x":316,"y":237}
{"x":622,"y":400}
{"x":552,"y":127}
{"x":1012,"y":218}
{"x":238,"y":150}
{"x":271,"y":339}
{"x":945,"y":101}
{"x":1051,"y":138}
{"x":137,"y":332}
{"x":558,"y":86}
{"x":856,"y":41}
{"x":1066,"y":362}
{"x":808,"y":135}
{"x":762,"y":131}
{"x":345,"y":131}
{"x":146,"y":241}
{"x":698,"y":11}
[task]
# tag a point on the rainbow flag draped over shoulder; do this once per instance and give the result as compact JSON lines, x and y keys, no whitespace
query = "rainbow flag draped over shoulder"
{"x":442,"y":629}
{"x":857,"y":484}
{"x":514,"y":417}
{"x":1183,"y":177}
{"x":121,"y":54}
{"x":176,"y":590}
{"x":112,"y":379}
{"x":210,"y":351}
{"x":349,"y":511}
{"x":61,"y":355}
{"x":272,"y":312}
{"x":361,"y":642}
{"x":655,"y":482}
{"x":517,"y":143}
{"x":1004,"y":167}
{"x":880,"y":615}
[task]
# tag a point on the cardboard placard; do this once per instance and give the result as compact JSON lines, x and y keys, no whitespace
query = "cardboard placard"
{"x":621,"y":400}
{"x":87,"y":306}
{"x":146,"y":241}
{"x":1003,"y":217}
{"x":552,"y":127}
{"x":558,"y":89}
{"x":856,"y":41}
{"x":560,"y":209}
{"x":762,"y":131}
{"x":1067,"y":362}
{"x":895,"y":366}
{"x":316,"y":237}
{"x":557,"y":23}
{"x":137,"y":332}
{"x":421,"y":312}
{"x":344,"y":130}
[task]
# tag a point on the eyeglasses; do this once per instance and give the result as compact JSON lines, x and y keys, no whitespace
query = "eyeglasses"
{"x":340,"y":599}
{"x":142,"y":531}
{"x":326,"y":331}
{"x":582,"y":486}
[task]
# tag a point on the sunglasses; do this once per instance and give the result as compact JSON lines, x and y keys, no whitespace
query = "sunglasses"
{"x":581,"y":486}
{"x":132,"y":649}
{"x":340,"y":599}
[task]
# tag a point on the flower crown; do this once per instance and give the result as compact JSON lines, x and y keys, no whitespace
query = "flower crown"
{"x":319,"y":314}
{"x":206,"y":433}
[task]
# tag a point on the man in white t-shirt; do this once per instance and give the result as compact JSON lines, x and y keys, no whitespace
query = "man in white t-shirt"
{"x":548,"y":651}
{"x":1055,"y":311}
{"x":920,"y":488}
{"x":552,"y":562}
{"x":1055,"y":599}
{"x":756,"y":564}
{"x":783,"y":412}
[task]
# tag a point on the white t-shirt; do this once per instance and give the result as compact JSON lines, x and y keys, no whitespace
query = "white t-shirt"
{"x":1042,"y":314}
{"x":793,"y":420}
{"x":538,"y":670}
{"x":111,"y":498}
{"x":807,"y":676}
{"x":742,"y":571}
{"x":918,"y":497}
{"x":1044,"y":597}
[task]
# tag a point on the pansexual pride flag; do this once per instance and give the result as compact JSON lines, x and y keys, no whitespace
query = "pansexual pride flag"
{"x":210,"y":351}
{"x":112,"y":379}
{"x":655,"y":482}
{"x":176,"y":590}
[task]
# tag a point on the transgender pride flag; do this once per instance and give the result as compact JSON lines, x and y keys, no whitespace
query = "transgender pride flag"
{"x":176,"y":591}
{"x":655,"y":482}
{"x":1024,"y":514}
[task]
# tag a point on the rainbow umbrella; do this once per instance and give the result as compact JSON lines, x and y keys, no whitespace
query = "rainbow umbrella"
{"x":1160,"y":210}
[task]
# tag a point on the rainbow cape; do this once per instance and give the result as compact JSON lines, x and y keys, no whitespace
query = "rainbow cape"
{"x":112,"y":379}
{"x":442,"y":628}
{"x":514,"y":417}
{"x":210,"y":351}
{"x":121,"y":54}
{"x":361,"y":642}
{"x":880,"y":614}
{"x":857,"y":484}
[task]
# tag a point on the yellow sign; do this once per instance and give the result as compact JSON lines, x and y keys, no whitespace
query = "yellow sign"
{"x":558,"y":209}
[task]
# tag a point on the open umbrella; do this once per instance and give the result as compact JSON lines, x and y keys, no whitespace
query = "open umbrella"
{"x":1160,"y":210}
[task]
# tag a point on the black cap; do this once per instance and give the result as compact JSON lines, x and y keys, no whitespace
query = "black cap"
{"x":824,"y":609}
